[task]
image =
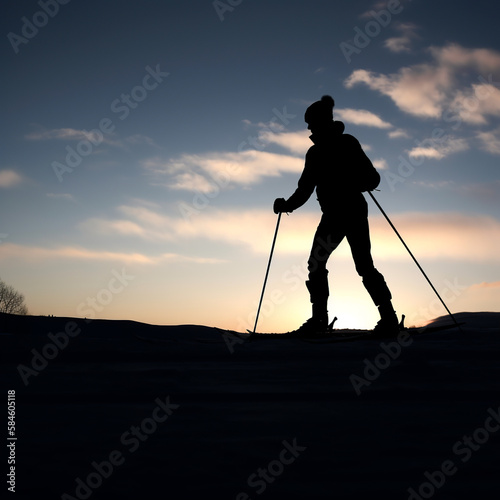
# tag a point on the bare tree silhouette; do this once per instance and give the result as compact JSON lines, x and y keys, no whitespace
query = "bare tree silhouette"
{"x":11,"y":301}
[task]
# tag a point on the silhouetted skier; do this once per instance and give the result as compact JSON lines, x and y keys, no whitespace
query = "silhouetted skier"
{"x":338,"y":168}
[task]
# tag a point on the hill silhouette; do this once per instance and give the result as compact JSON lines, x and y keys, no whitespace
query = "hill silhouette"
{"x":140,"y":409}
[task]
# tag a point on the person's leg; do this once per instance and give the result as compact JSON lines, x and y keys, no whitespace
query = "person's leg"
{"x":326,"y":239}
{"x":358,"y":237}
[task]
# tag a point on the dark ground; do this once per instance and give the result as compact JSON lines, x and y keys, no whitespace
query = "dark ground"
{"x":425,"y":410}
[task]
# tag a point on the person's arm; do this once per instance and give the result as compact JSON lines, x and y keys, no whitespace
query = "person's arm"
{"x":305,"y":188}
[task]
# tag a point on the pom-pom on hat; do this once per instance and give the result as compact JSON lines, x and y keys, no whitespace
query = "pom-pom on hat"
{"x":320,"y":111}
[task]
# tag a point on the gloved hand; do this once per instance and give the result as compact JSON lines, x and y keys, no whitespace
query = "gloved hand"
{"x":280,"y":205}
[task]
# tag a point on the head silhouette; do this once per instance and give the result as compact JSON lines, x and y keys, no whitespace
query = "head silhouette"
{"x":319,"y":115}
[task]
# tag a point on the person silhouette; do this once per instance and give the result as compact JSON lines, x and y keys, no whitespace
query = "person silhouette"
{"x":337,"y":167}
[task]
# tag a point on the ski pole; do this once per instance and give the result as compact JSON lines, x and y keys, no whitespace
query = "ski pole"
{"x":267,"y":273}
{"x":413,"y":257}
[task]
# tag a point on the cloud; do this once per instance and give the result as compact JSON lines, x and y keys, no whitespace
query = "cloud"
{"x":296,"y":143}
{"x":9,"y":178}
{"x":361,"y":117}
{"x":175,"y":257}
{"x":428,"y":89}
{"x":484,"y":284}
{"x":398,"y":133}
{"x":381,"y":5}
{"x":94,"y":136}
{"x":380,"y":164}
{"x":37,"y":254}
{"x":33,"y":253}
{"x":439,"y":149}
{"x":117,"y":226}
{"x":368,"y":14}
{"x":274,"y":133}
{"x":402,"y":43}
{"x":484,"y":61}
{"x":211,"y":171}
{"x":398,"y":44}
{"x":235,"y":227}
{"x":244,"y":228}
{"x":67,"y":134}
{"x":192,"y":181}
{"x":490,"y":141}
{"x":438,"y":236}
{"x":419,"y":90}
{"x":476,"y":104}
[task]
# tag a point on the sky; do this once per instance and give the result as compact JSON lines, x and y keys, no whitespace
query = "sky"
{"x":143,"y":145}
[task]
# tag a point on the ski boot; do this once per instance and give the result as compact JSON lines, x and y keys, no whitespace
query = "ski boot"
{"x":388,"y":326}
{"x":313,"y":327}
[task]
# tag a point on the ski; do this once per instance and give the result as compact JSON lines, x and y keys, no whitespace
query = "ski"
{"x":345,"y":335}
{"x":368,"y":335}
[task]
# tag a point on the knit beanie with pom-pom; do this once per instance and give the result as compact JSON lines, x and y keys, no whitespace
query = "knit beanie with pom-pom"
{"x":320,"y":111}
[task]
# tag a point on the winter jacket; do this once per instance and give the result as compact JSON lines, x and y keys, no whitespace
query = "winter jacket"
{"x":338,"y":168}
